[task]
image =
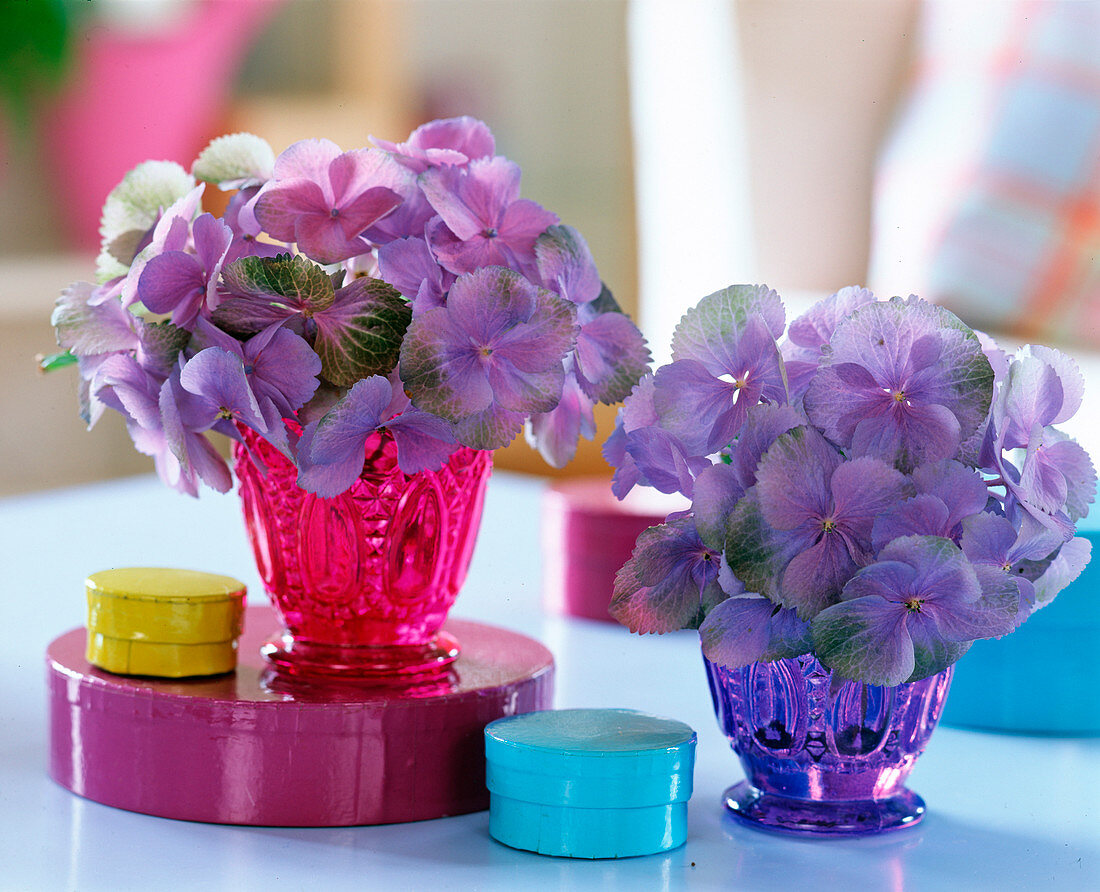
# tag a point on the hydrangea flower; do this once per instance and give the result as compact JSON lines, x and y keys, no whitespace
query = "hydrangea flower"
{"x":947,"y":493}
{"x":814,"y":517}
{"x":409,"y":265}
{"x":670,"y":582}
{"x":483,"y":221}
{"x":644,"y":453}
{"x":185,"y":284}
{"x":489,"y":357}
{"x":330,"y":451}
{"x":555,"y":433}
{"x":281,"y":371}
{"x":725,"y":360}
{"x":747,"y":628}
{"x":719,"y":487}
{"x":323,"y":198}
{"x":1056,"y":481}
{"x":450,"y":141}
{"x":894,"y":491}
{"x":810,"y":334}
{"x":905,"y":381}
{"x":910,"y":614}
{"x":292,"y":314}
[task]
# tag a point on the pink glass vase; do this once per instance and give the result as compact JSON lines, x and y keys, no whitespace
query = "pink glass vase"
{"x":363,"y":581}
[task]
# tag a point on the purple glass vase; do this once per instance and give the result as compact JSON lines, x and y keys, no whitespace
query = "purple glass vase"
{"x":822,"y":755}
{"x":363,"y":581}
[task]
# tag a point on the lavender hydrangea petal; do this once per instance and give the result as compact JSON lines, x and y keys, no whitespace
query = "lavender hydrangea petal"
{"x":863,"y":489}
{"x":1059,"y":476}
{"x":943,"y":572}
{"x":219,"y":378}
{"x":1022,"y":590}
{"x":408,"y":265}
{"x":718,"y":320}
{"x":906,"y":381}
{"x":282,"y":367}
{"x":565,"y":264}
{"x":332,"y":478}
{"x":703,"y":412}
{"x":814,"y":328}
{"x":931,"y":652}
{"x":815,"y":576}
{"x":344,"y":428}
{"x":442,"y":377}
{"x":491,"y":428}
{"x":474,"y":198}
{"x":194,"y":452}
{"x":1070,"y":380}
{"x":662,"y":462}
{"x":424,"y":441}
{"x":525,"y":391}
{"x":764,"y":423}
{"x":924,"y":515}
{"x":540,"y":341}
{"x":960,"y":488}
{"x":988,"y":539}
{"x":891,"y":580}
{"x":611,"y":357}
{"x":737,"y":632}
{"x":794,"y":477}
{"x":922,"y":433}
{"x":668,"y":582}
{"x":127,"y":387}
{"x":994,"y":614}
{"x":716,"y":493}
{"x":88,"y":329}
{"x":756,"y":552}
{"x":790,"y":636}
{"x":555,"y":433}
{"x":1067,"y":565}
{"x":173,"y":283}
{"x":865,"y":639}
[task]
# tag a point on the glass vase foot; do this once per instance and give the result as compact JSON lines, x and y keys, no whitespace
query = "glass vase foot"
{"x":398,"y":662}
{"x":855,"y":817}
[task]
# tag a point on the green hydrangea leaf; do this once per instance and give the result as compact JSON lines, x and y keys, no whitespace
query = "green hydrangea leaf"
{"x":360,"y":334}
{"x":265,"y":290}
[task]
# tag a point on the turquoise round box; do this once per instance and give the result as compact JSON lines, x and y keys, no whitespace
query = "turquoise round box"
{"x":589,"y":783}
{"x":1039,"y":679}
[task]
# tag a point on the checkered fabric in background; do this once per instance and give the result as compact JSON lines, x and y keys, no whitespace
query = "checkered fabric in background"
{"x":987,"y":193}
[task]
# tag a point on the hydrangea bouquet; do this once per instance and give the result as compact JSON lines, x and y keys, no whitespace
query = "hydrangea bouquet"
{"x":404,"y":287}
{"x":876,"y":484}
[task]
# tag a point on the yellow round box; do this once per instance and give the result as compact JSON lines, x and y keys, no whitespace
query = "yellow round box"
{"x":163,"y":622}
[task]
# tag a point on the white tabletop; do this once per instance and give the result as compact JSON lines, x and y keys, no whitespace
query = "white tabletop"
{"x":1005,"y":812}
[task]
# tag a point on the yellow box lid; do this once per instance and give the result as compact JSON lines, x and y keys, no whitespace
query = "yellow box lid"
{"x":162,"y":605}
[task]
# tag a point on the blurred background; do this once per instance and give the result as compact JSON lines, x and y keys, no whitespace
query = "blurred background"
{"x":950,"y":149}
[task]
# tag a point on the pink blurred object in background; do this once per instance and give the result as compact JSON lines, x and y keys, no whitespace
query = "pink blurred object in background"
{"x":587,"y":535}
{"x":134,"y":96}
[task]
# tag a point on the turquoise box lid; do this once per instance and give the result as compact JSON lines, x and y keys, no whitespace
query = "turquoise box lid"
{"x":589,"y":783}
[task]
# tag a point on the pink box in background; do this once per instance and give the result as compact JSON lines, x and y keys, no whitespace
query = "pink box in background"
{"x":587,"y":535}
